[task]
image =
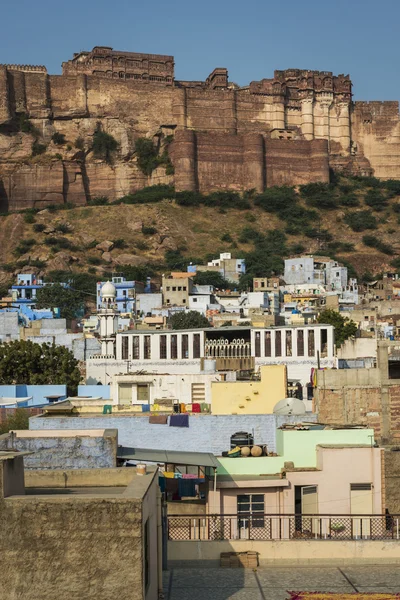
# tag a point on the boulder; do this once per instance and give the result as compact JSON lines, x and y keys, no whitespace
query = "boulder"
{"x":130,"y":259}
{"x":105,"y":246}
{"x":106,"y":256}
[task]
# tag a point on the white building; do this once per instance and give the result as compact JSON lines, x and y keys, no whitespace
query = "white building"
{"x":315,"y":270}
{"x":229,"y":349}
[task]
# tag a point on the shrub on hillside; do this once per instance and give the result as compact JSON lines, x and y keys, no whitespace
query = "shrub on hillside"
{"x":104,"y":145}
{"x":376,"y":200}
{"x":58,"y":138}
{"x":360,"y":220}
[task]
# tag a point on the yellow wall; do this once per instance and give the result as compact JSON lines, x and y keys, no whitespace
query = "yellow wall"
{"x":250,"y":397}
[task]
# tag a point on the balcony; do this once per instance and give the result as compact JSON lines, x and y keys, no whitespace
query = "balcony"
{"x":266,"y":527}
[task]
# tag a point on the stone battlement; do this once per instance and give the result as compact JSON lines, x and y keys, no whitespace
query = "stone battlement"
{"x":25,"y":68}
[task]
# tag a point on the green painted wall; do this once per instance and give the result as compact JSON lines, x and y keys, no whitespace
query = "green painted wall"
{"x":296,"y":446}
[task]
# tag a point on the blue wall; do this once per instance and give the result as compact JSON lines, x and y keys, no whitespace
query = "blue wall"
{"x":104,"y":391}
{"x":38,"y":393}
{"x":206,"y":433}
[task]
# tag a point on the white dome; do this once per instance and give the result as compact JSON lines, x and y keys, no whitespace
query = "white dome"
{"x":108,"y":290}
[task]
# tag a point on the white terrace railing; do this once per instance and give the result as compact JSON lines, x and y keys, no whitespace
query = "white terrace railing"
{"x":263,"y":527}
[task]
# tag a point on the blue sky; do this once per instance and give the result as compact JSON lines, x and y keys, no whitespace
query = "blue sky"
{"x":249,"y":37}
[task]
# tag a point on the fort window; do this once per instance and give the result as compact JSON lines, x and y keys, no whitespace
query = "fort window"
{"x":174,"y":289}
{"x":311,"y":343}
{"x":121,"y":75}
{"x":258,"y":344}
{"x":300,"y":342}
{"x":179,"y":288}
{"x":147,"y":347}
{"x":278,"y":343}
{"x":136,"y":348}
{"x":268,"y":348}
{"x":196,"y":345}
{"x":288,"y":343}
{"x":174,"y":346}
{"x":125,"y":347}
{"x":185,"y":346}
{"x":184,"y":288}
{"x":184,"y":301}
{"x":163,"y":346}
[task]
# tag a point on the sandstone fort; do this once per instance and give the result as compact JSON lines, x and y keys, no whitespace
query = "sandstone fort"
{"x":286,"y":130}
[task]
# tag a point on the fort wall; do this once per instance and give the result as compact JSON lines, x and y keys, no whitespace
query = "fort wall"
{"x":285,"y":130}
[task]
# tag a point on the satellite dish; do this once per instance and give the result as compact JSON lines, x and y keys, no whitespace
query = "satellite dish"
{"x":289,"y":406}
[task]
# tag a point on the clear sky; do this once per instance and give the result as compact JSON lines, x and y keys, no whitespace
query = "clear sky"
{"x":249,"y":37}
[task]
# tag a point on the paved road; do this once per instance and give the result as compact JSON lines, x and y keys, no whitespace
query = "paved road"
{"x":272,"y":583}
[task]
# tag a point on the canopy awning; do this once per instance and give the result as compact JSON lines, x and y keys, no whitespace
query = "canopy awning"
{"x":173,"y":457}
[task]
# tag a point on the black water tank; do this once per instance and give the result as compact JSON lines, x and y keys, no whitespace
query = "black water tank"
{"x":242,"y":438}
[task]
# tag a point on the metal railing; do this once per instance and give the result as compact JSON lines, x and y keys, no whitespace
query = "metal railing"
{"x":263,"y":527}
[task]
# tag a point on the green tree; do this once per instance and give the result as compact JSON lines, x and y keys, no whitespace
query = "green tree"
{"x":212,"y":278}
{"x":104,"y":145}
{"x":188,"y":320}
{"x":67,"y":300}
{"x":18,"y":420}
{"x":38,"y":364}
{"x":344,"y":327}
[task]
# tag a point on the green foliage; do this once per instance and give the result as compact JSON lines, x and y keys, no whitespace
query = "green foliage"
{"x":58,"y":138}
{"x":149,"y":159}
{"x":38,"y":148}
{"x":59,"y":243}
{"x":62,"y":228}
{"x":360,"y":220}
{"x":376,"y":200}
{"x":147,"y":195}
{"x":141,"y":245}
{"x":350,"y":201}
{"x":340,"y":247}
{"x":187,"y":198}
{"x":120,"y":243}
{"x":98,"y":201}
{"x":212,"y":278}
{"x":38,"y":364}
{"x":226,"y":237}
{"x":374,"y":242}
{"x":297,"y":249}
{"x":56,"y":296}
{"x":104,"y":145}
{"x":249,"y":234}
{"x":266,"y":258}
{"x":94,"y":260}
{"x":29,"y":217}
{"x":148,"y":230}
{"x":16,"y":421}
{"x":227,"y":199}
{"x":24,"y":125}
{"x":24,"y":246}
{"x":79,"y":143}
{"x":58,"y":156}
{"x":344,"y":327}
{"x":188,"y":320}
{"x":8,"y":267}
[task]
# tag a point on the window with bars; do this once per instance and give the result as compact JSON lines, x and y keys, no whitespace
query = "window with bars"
{"x":136,"y":347}
{"x":196,"y":345}
{"x":174,"y":346}
{"x":125,"y":347}
{"x":250,"y":510}
{"x":288,"y":343}
{"x":278,"y":343}
{"x":257,"y":344}
{"x":300,"y":342}
{"x":268,"y":346}
{"x":185,"y":345}
{"x":163,"y":346}
{"x":311,"y":342}
{"x":147,"y":347}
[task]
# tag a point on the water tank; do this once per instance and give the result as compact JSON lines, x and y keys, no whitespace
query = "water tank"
{"x":242,"y":438}
{"x":209,"y":365}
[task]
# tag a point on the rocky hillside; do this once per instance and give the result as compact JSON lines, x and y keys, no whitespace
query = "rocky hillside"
{"x":356,"y":221}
